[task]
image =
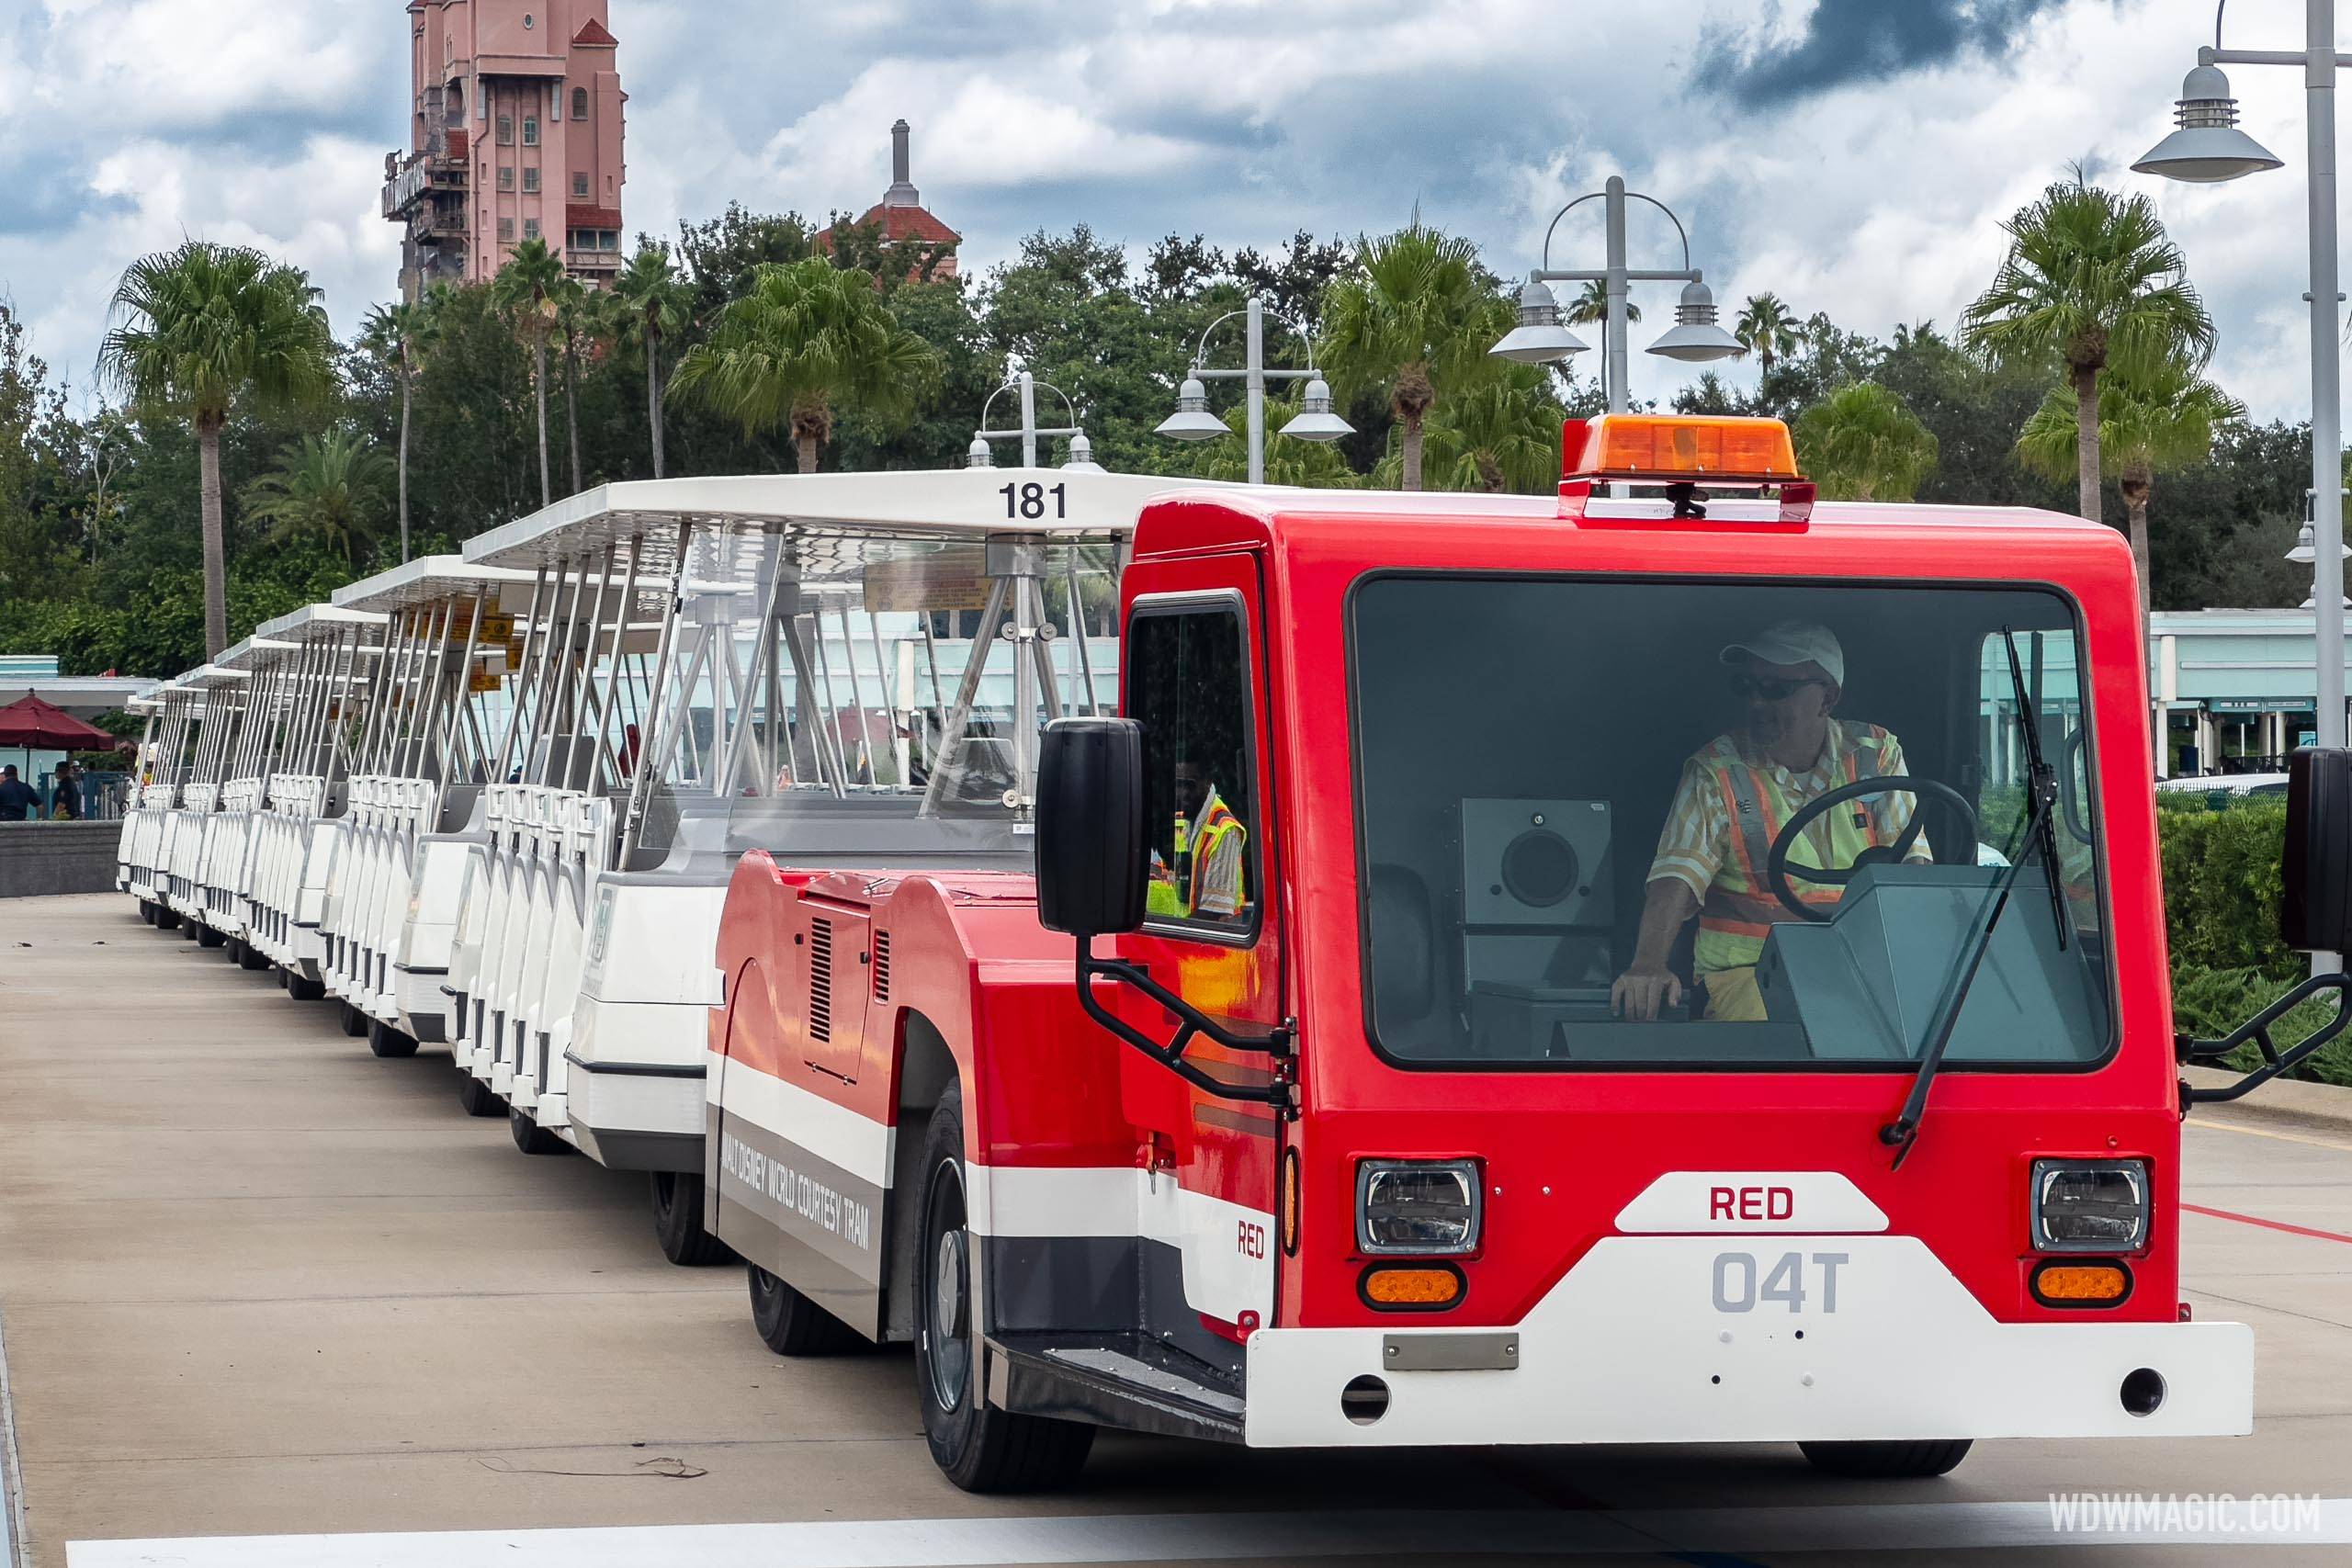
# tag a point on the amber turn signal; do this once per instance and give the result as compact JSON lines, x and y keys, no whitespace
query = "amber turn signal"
{"x":1412,"y":1287}
{"x":2081,"y":1284}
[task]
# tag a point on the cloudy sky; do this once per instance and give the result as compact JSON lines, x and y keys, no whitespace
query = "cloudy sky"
{"x":1853,"y":155}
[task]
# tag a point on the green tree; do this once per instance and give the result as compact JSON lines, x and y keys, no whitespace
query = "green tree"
{"x":1861,"y":444}
{"x":801,"y":339}
{"x":1767,"y":329}
{"x":199,"y":330}
{"x":586,"y":320}
{"x":1312,"y":465}
{"x":326,"y":489}
{"x":2090,"y":276}
{"x":1502,"y":434}
{"x":1413,"y":317}
{"x":2154,"y":415}
{"x":655,"y":304}
{"x":401,"y":334}
{"x":1590,"y":306}
{"x":525,"y":292}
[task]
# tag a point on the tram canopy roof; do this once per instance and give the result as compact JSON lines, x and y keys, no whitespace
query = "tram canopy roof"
{"x":313,"y":622}
{"x":428,"y":579}
{"x":640,"y":517}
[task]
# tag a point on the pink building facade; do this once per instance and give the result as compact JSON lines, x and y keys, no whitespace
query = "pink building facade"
{"x":515,"y":133}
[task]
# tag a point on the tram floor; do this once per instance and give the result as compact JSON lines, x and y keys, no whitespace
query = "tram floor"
{"x":257,"y":1284}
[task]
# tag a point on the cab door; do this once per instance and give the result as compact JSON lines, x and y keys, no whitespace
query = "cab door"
{"x":1193,"y":674}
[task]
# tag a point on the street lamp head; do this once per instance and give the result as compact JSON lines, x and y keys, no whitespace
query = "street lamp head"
{"x":1316,"y":421}
{"x":1695,"y":338}
{"x":976,"y":455}
{"x":1192,"y":421}
{"x":1081,"y":456}
{"x":2208,"y":146}
{"x":1541,"y":337}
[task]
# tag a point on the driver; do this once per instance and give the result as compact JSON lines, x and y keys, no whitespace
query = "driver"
{"x":1733,"y":795}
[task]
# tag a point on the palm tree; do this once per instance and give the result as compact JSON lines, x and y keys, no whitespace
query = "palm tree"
{"x":1310,"y":465}
{"x":1413,"y":317}
{"x":1590,"y":308}
{"x":1503,"y":434}
{"x":1767,"y":328}
{"x":2090,"y":276}
{"x":401,"y":336}
{"x":655,"y":303}
{"x":586,"y":320}
{"x":523,"y":291}
{"x":2153,"y":413}
{"x":198,"y":330}
{"x":802,"y":337}
{"x":327,"y":488}
{"x":1861,"y":443}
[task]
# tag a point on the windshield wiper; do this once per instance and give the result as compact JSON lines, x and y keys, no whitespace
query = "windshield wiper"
{"x":2042,"y":793}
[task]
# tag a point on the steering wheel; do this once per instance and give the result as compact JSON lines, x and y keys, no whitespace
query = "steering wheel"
{"x":1776,"y":869}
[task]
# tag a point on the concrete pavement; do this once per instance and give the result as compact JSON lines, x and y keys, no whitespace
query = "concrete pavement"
{"x":255,"y":1283}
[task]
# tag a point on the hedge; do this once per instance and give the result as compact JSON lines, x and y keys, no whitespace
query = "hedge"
{"x":2221,"y":875}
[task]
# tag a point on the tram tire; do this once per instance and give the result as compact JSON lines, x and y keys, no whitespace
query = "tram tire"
{"x":385,"y":1041}
{"x":147,"y":910}
{"x":477,"y":1096}
{"x":206,"y":936}
{"x":529,"y":1136}
{"x":353,"y":1021}
{"x":166,"y":918}
{"x":677,"y":1222}
{"x":792,"y":1325}
{"x":301,"y":990}
{"x":976,"y":1445}
{"x":1889,"y":1461}
{"x":251,"y":957}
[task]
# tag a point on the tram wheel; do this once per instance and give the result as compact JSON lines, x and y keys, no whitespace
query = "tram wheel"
{"x":979,"y":1447}
{"x":477,"y":1096}
{"x":383,"y":1039}
{"x":529,"y":1136}
{"x":792,"y":1325}
{"x":677,"y":1222}
{"x":1888,"y":1461}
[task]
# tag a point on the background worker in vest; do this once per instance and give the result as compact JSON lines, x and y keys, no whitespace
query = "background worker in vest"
{"x":1206,"y":876}
{"x":1733,"y":795}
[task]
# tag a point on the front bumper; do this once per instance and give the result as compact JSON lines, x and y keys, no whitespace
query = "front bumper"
{"x":1632,"y":1346}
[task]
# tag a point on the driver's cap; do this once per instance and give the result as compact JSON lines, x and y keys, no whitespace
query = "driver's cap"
{"x":1792,"y":642}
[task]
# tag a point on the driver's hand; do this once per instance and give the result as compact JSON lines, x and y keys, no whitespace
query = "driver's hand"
{"x":1642,"y":990}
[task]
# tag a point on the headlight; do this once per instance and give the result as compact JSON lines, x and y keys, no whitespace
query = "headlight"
{"x":2082,"y":1205}
{"x":1426,"y":1208}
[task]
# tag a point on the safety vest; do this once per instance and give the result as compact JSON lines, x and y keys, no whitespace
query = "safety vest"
{"x":1741,"y":908}
{"x":1217,"y":825}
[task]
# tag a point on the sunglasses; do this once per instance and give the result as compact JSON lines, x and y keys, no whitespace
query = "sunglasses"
{"x":1770,"y":691}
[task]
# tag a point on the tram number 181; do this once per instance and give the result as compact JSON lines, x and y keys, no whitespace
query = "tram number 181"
{"x":1744,"y":1280}
{"x":1029,"y":500}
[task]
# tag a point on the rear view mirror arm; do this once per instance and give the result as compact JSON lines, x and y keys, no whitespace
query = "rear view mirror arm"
{"x":1192,"y":1023}
{"x":2256,"y":1030}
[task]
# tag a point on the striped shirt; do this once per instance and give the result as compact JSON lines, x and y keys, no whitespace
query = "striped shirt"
{"x":1695,"y":846}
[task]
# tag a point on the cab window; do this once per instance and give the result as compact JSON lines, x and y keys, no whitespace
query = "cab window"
{"x":1188,"y":684}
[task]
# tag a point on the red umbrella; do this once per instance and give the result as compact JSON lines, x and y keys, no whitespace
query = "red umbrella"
{"x":29,"y":721}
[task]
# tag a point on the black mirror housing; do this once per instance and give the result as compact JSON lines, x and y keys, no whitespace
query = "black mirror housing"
{"x":1091,"y":868}
{"x":2316,"y":912}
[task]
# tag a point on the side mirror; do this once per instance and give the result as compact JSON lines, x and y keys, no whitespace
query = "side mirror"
{"x":1091,"y":850}
{"x":2315,"y":913}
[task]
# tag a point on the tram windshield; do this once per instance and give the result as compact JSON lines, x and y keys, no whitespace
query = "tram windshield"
{"x":1614,"y":823}
{"x":874,"y":697}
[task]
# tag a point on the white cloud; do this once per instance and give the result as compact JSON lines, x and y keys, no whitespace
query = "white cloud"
{"x":1242,"y":120}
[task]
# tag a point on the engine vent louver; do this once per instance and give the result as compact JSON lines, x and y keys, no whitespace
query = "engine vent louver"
{"x":820,"y":981}
{"x":881,"y":966}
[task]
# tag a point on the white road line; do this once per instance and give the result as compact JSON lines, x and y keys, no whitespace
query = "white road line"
{"x":1159,"y":1537}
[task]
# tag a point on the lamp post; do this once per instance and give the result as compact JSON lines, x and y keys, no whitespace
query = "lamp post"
{"x":1542,"y":337}
{"x":1193,"y":422}
{"x":1082,"y":451}
{"x":2208,"y":147}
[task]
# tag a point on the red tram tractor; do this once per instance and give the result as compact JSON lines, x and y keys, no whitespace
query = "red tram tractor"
{"x":1303,"y":1094}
